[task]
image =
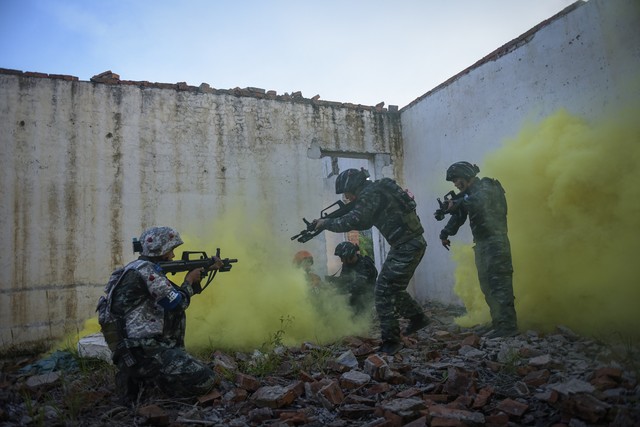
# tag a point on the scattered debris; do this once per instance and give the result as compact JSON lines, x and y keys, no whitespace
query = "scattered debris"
{"x":444,"y":376}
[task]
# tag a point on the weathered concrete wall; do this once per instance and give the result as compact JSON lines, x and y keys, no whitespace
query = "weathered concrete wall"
{"x":583,"y":60}
{"x":87,"y":165}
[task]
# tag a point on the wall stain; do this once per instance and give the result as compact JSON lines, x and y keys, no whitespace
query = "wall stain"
{"x":234,"y":142}
{"x":115,"y":196}
{"x":71,"y":209}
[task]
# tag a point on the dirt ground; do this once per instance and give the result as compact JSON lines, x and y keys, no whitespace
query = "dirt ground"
{"x":444,"y":376}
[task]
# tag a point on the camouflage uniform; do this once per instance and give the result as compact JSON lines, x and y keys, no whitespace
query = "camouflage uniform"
{"x":143,"y":320}
{"x":485,"y":204}
{"x":377,"y":205}
{"x":358,"y":280}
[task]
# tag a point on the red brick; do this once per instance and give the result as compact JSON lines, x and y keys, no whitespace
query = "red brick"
{"x":332,"y":393}
{"x":208,"y":399}
{"x":410,"y":392}
{"x":472,"y":340}
{"x":378,"y":388}
{"x":236,"y":395}
{"x":537,"y":378}
{"x":439,"y":398}
{"x":247,"y":382}
{"x":422,"y":421}
{"x":438,"y":413}
{"x":306,"y":377}
{"x":273,"y":397}
{"x":459,"y":382}
{"x":586,"y":407}
{"x":482,"y":398}
{"x":356,"y":411}
{"x":395,"y":420}
{"x":297,"y":388}
{"x":513,"y":407}
{"x":294,"y":417}
{"x":614,"y":373}
{"x":498,"y":420}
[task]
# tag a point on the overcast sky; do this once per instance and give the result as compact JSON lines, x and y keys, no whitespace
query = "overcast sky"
{"x":359,"y":51}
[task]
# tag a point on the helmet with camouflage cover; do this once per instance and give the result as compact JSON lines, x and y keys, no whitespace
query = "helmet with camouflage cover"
{"x":157,"y":241}
{"x":346,"y":250}
{"x":462,"y":170}
{"x":350,"y":180}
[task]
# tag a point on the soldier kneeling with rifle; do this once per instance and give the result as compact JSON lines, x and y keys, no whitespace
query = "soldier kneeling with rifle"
{"x":143,"y":320}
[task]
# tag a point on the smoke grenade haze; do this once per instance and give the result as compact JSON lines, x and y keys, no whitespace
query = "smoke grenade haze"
{"x":573,"y":189}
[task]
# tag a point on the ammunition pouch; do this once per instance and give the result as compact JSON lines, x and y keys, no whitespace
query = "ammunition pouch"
{"x":123,"y":352}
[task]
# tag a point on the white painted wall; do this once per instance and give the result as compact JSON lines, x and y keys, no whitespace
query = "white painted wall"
{"x":582,"y":61}
{"x":86,"y":166}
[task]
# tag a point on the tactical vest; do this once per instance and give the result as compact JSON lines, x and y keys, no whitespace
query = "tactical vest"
{"x":111,"y":325}
{"x":409,"y":225}
{"x":403,"y":197}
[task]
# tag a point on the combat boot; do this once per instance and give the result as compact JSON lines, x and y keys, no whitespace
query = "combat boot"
{"x":128,"y":388}
{"x":502,"y":332}
{"x":482,"y":329}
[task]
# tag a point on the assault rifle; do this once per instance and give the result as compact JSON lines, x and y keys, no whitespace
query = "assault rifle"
{"x":187,"y":263}
{"x":326,"y":213}
{"x":444,"y":205}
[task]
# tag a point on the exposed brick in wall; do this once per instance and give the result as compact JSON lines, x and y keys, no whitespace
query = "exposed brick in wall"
{"x":111,"y":78}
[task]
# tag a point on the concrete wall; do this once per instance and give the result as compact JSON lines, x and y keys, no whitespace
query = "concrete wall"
{"x":88,"y":165}
{"x":583,"y":60}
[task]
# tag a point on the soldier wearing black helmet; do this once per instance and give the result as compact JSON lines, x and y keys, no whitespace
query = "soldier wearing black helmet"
{"x":483,"y":201}
{"x":357,"y":277}
{"x":392,"y":210}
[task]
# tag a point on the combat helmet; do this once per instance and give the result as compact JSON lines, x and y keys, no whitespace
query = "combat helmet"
{"x":462,"y":170}
{"x":346,"y":250}
{"x":157,"y":241}
{"x":303,"y":258}
{"x":350,"y":180}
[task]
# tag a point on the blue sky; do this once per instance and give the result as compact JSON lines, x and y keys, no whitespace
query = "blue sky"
{"x":359,"y":51}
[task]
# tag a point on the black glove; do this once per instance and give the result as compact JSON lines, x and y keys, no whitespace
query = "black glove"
{"x":197,"y":287}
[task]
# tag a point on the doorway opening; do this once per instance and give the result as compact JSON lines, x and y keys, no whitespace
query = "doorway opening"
{"x":369,"y":241}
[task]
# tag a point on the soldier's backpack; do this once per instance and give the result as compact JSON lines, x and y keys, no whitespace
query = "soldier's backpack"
{"x":111,"y":325}
{"x":404,"y":198}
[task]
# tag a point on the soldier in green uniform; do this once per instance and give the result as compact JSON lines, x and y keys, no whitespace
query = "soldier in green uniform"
{"x":392,"y":211}
{"x":483,"y":201}
{"x":142,"y":317}
{"x":357,"y":277}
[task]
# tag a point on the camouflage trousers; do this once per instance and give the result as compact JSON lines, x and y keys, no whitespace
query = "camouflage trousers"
{"x":391,"y":297}
{"x":172,"y":369}
{"x":495,"y":273}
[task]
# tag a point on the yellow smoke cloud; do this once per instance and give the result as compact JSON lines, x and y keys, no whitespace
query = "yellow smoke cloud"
{"x":262,"y":296}
{"x":573,"y":191}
